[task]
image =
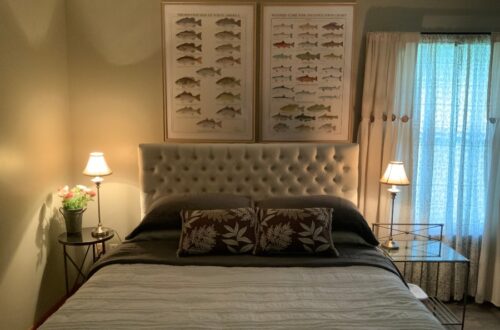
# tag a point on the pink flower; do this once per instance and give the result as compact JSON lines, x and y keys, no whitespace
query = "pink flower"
{"x":68,"y":195}
{"x":91,"y":193}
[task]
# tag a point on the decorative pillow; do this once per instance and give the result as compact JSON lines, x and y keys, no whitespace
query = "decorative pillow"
{"x":346,"y":217}
{"x":300,"y":231}
{"x":164,"y":213}
{"x":222,"y":231}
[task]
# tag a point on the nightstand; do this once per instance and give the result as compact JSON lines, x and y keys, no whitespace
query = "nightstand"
{"x":433,"y":251}
{"x":85,"y":238}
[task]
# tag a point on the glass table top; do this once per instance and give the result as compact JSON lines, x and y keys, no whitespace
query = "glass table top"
{"x":424,"y":251}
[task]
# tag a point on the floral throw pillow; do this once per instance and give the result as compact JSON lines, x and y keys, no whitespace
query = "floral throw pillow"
{"x":300,"y":231}
{"x":223,"y":231}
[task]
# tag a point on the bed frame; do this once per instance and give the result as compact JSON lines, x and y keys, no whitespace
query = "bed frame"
{"x":257,"y":170}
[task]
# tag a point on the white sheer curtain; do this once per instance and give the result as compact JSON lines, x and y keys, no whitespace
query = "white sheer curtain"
{"x":385,"y":128}
{"x":450,"y":141}
{"x":488,"y":287}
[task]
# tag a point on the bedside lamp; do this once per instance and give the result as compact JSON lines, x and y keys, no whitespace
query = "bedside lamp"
{"x":394,"y":175}
{"x":97,"y":168}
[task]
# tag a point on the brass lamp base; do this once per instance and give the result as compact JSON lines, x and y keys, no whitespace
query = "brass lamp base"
{"x":100,"y":231}
{"x":390,"y":244}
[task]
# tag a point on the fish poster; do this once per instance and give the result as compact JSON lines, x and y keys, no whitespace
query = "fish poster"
{"x":209,"y":69}
{"x":306,"y":72}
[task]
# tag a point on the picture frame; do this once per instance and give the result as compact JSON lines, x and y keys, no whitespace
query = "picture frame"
{"x":209,"y":71}
{"x":306,"y":71}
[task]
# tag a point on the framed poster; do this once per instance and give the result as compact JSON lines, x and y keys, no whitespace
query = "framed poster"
{"x":208,"y":72}
{"x":306,"y":72}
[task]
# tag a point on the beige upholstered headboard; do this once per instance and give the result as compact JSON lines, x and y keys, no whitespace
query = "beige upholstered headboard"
{"x":257,"y":170}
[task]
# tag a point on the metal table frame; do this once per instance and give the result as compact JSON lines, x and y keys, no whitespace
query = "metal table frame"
{"x":85,"y":238}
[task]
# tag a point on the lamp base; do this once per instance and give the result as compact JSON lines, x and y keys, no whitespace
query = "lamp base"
{"x":390,"y":244}
{"x":100,"y":231}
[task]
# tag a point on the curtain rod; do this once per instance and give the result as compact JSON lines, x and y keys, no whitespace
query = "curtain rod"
{"x":470,"y":33}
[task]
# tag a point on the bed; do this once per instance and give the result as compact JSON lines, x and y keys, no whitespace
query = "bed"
{"x":155,"y":280}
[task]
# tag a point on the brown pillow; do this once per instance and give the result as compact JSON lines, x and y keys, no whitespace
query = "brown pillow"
{"x":221,"y":231}
{"x":295,"y":231}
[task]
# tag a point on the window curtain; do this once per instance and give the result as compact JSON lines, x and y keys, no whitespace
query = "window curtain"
{"x":450,"y":142}
{"x":385,"y":128}
{"x":488,"y":287}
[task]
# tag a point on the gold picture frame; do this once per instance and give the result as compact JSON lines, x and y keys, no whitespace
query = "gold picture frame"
{"x":209,"y":71}
{"x":306,"y":71}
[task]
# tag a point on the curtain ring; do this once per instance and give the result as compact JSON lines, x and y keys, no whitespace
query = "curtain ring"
{"x":493,"y":120}
{"x":384,"y":117}
{"x":393,"y":117}
{"x":404,"y":119}
{"x":372,"y":118}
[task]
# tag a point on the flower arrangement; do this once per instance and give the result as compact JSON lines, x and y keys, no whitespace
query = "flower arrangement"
{"x":75,"y":198}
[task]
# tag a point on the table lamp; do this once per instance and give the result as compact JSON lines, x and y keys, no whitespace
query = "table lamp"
{"x":394,"y":175}
{"x":97,"y":167}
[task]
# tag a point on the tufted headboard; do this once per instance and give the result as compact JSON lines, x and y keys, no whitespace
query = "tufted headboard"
{"x":257,"y":170}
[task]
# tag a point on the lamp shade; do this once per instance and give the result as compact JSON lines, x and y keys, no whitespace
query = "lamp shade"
{"x":395,"y":174}
{"x":97,"y":166}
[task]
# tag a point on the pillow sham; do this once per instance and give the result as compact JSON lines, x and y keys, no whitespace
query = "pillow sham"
{"x":164,"y":213}
{"x":295,"y":231}
{"x":221,"y":231}
{"x":346,"y":217}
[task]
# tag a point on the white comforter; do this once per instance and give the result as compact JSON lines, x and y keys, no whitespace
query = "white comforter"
{"x":143,"y":296}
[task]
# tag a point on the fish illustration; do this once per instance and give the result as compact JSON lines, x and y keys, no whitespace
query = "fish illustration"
{"x":189,"y":60}
{"x":282,"y":88}
{"x":328,"y":127}
{"x":306,"y":35}
{"x":303,"y":117}
{"x":284,"y":97}
{"x":228,"y":22}
{"x":319,"y":107}
{"x":283,"y":34}
{"x":280,"y":127}
{"x":188,"y":22}
{"x":291,"y":107}
{"x":208,"y":72}
{"x":282,"y":56}
{"x":227,"y":35}
{"x":282,"y":78}
{"x":333,"y":56}
{"x":282,"y":68}
{"x":333,"y":69}
{"x":189,"y":111}
{"x":304,"y":128}
{"x":331,"y":44}
{"x":308,"y":26}
{"x":329,"y":88}
{"x":305,"y":93}
{"x":227,"y":48}
{"x":327,"y":117}
{"x":307,"y":44}
{"x":228,"y":82}
{"x":283,"y":44}
{"x":280,"y":116}
{"x":307,"y":78}
{"x":332,"y":77}
{"x":228,"y":60}
{"x":187,"y":97}
{"x":187,"y":82}
{"x":308,"y":69}
{"x":189,"y":35}
{"x":308,"y":56}
{"x":283,"y":25}
{"x":329,"y":97}
{"x":333,"y":35}
{"x":229,"y":112}
{"x":189,"y":47}
{"x":209,"y":123}
{"x":333,"y":26}
{"x":228,"y":97}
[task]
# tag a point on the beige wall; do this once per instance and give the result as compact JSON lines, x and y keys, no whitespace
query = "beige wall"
{"x":34,"y":156}
{"x":115,"y":103}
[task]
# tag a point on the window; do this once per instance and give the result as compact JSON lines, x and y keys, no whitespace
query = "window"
{"x":450,"y":139}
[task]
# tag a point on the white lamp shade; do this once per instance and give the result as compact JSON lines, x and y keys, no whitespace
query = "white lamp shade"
{"x":97,"y":166}
{"x":395,"y":174}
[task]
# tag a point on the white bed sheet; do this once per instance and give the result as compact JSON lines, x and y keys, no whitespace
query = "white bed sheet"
{"x":141,"y":296}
